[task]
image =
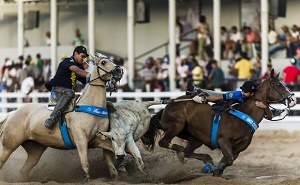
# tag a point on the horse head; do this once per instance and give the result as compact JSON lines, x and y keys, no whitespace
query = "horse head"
{"x":117,"y":135}
{"x":106,"y":70}
{"x":276,"y":91}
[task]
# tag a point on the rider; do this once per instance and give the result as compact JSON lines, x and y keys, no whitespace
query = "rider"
{"x":248,"y":91}
{"x":63,"y":83}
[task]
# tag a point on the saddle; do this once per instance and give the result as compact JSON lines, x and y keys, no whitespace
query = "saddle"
{"x":69,"y":108}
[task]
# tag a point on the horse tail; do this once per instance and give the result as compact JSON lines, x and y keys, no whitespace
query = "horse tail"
{"x":149,"y":137}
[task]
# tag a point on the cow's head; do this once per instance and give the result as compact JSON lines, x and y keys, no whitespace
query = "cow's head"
{"x":117,"y":135}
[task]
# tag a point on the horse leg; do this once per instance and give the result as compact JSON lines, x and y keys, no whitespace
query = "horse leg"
{"x":135,"y":152}
{"x":34,"y":151}
{"x":165,"y":142}
{"x":82,"y":147}
{"x":227,"y":159}
{"x":229,"y":155}
{"x":192,"y":145}
{"x":9,"y":146}
{"x":108,"y":157}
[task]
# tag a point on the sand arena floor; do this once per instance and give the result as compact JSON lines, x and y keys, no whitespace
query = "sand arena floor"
{"x":272,"y":158}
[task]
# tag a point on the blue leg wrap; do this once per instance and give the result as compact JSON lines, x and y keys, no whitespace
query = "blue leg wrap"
{"x":208,"y":168}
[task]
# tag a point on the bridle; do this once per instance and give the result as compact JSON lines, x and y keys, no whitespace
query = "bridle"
{"x":286,"y":99}
{"x":114,"y":77}
{"x":283,"y":98}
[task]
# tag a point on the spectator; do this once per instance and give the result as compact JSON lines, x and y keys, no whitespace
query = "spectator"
{"x":234,"y":43}
{"x":256,"y":75}
{"x":268,"y":72}
{"x":224,"y":40}
{"x":148,"y":76}
{"x":9,"y":76}
{"x":294,"y":41}
{"x":48,"y":38}
{"x":216,"y":77}
{"x":182,"y":70}
{"x":178,"y":32}
{"x":250,"y":39}
{"x":244,"y":67}
{"x":203,"y":42}
{"x":78,"y":39}
{"x":197,"y":74}
{"x":275,"y":44}
{"x":163,"y":72}
{"x":27,"y":87}
{"x":47,"y":70}
{"x":39,"y":70}
{"x":297,"y":58}
{"x":124,"y":80}
{"x":291,"y":75}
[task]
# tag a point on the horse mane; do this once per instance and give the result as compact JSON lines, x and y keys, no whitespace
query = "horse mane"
{"x":85,"y":88}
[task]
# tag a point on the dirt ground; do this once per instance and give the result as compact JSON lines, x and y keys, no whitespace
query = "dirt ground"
{"x":273,"y":158}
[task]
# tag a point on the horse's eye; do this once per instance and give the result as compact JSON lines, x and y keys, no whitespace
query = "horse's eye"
{"x":103,"y":62}
{"x":112,"y":139}
{"x":278,"y":84}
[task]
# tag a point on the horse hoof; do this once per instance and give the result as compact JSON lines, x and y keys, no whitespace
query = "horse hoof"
{"x":180,"y":156}
{"x":217,"y":173}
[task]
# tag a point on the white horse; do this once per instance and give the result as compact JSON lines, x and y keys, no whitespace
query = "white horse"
{"x":25,"y":126}
{"x":129,"y":121}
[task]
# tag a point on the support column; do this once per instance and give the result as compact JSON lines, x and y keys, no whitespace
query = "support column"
{"x":264,"y":34}
{"x":20,"y":27}
{"x":172,"y":44}
{"x":130,"y":42}
{"x":216,"y":28}
{"x":53,"y":25}
{"x":91,"y":26}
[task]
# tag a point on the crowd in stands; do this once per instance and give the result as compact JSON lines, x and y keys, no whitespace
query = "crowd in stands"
{"x":15,"y":74}
{"x":239,"y":46}
{"x":242,"y":47}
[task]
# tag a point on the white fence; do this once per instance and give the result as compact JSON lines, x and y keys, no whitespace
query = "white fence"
{"x":6,"y":105}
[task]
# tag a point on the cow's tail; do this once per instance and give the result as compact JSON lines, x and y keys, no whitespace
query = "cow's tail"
{"x":149,"y":137}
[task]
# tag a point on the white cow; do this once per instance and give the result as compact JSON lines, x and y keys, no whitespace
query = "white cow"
{"x":129,"y":121}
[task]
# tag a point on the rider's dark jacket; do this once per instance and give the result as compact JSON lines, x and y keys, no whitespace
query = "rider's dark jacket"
{"x":64,"y":77}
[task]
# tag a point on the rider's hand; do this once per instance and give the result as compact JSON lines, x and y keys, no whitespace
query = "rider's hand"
{"x":260,"y":104}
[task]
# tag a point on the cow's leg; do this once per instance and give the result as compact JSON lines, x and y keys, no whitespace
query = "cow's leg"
{"x":34,"y":152}
{"x":135,"y":152}
{"x":108,"y":157}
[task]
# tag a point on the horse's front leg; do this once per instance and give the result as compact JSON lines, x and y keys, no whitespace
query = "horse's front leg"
{"x":135,"y":152}
{"x":228,"y":158}
{"x":81,"y":143}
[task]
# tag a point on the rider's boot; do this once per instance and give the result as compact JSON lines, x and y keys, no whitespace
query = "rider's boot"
{"x":61,"y":104}
{"x":191,"y":88}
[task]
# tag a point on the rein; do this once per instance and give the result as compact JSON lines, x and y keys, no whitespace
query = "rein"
{"x":267,"y":103}
{"x":115,"y":88}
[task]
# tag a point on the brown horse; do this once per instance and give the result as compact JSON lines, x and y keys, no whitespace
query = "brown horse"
{"x":192,"y":122}
{"x":25,"y":126}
